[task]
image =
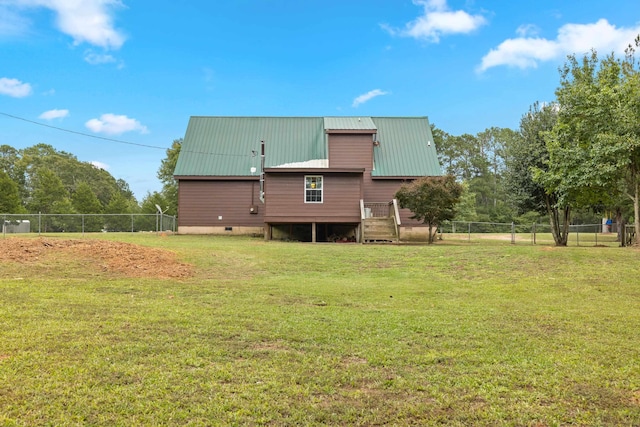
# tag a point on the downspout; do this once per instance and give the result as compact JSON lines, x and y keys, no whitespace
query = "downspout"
{"x":362,"y":218}
{"x":262,"y":171}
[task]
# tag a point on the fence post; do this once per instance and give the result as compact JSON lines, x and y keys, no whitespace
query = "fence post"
{"x":82,"y":225}
{"x":39,"y":223}
{"x":596,"y":233}
{"x":533,"y":233}
{"x":577,"y":235}
{"x":469,"y":231}
{"x":513,"y":233}
{"x":131,"y":223}
{"x":4,"y":226}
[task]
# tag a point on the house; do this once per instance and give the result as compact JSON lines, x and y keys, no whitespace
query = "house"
{"x":302,"y":178}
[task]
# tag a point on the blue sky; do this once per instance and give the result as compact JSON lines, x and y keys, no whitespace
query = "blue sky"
{"x":135,"y":71}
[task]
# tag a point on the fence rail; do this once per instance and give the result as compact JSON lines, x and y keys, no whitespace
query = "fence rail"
{"x":579,"y":235}
{"x":81,"y":223}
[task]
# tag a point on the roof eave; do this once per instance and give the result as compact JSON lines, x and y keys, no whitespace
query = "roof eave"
{"x":314,"y":170}
{"x":351,"y":131}
{"x":216,"y":177}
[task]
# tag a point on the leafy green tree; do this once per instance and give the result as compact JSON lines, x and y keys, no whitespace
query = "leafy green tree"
{"x":65,"y":218}
{"x":47,"y":189}
{"x":594,"y":148}
{"x":629,"y":131}
{"x":118,"y":205}
{"x":431,"y":200}
{"x":124,"y":190}
{"x":84,"y":201}
{"x":466,"y":209}
{"x":478,"y":161}
{"x":489,"y":186}
{"x":10,"y":164}
{"x":165,"y":174}
{"x":526,"y":157}
{"x":9,"y":195}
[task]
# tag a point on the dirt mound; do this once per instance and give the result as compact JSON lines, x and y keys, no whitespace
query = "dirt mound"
{"x":125,"y":258}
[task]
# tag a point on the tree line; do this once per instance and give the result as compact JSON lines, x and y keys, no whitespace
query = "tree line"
{"x":41,"y":179}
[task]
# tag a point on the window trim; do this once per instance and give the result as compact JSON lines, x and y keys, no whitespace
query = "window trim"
{"x":310,"y":191}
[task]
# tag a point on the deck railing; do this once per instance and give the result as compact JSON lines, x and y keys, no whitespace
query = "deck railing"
{"x":377,"y":209}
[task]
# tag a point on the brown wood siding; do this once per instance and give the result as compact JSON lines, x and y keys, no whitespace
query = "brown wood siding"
{"x":285,"y":198}
{"x":351,"y":151}
{"x":354,"y":151}
{"x":202,"y":202}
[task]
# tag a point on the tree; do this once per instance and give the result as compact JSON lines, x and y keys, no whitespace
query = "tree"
{"x":116,"y":221}
{"x":489,"y":187}
{"x":630,"y":130}
{"x":478,"y":161}
{"x":84,"y":201}
{"x":165,"y":175}
{"x":47,"y":189}
{"x":431,"y":200}
{"x":594,"y":148}
{"x":466,"y":208}
{"x":10,"y":164}
{"x":9,"y":195}
{"x":526,"y":159}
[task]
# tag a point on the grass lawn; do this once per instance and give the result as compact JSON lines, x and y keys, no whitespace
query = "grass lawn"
{"x":271,"y":333}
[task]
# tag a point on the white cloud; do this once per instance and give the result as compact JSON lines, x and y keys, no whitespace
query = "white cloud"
{"x":438,"y":20}
{"x":86,"y":21}
{"x":112,"y":124}
{"x":100,"y":165}
{"x":368,"y":96}
{"x":98,"y":58}
{"x":54,"y":114}
{"x":528,"y":52}
{"x":527,"y":30}
{"x":14,"y":88}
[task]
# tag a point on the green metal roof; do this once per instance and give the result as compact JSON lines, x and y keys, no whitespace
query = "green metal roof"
{"x":230,"y":146}
{"x":349,"y":123}
{"x":406,"y":148}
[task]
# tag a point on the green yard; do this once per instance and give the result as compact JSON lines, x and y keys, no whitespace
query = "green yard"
{"x":270,"y":333}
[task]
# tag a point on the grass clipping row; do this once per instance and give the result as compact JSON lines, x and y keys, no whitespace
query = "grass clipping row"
{"x":118,"y":257}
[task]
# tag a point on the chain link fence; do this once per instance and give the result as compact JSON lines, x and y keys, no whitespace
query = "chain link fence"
{"x":535,"y":234}
{"x":86,"y":223}
{"x":463,"y":231}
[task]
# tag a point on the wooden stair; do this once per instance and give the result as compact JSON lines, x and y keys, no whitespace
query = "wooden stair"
{"x":379,"y":230}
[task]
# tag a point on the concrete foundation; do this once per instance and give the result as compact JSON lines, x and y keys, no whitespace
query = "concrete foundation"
{"x":220,"y":231}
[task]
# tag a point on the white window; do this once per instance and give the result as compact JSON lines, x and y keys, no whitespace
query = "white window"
{"x":312,"y":189}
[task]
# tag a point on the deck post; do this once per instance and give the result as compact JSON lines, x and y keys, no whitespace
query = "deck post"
{"x":313,"y":232}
